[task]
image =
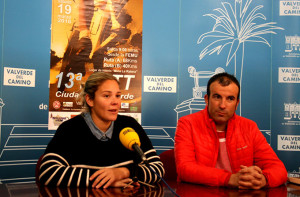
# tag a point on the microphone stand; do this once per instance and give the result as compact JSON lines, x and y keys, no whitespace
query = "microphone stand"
{"x":135,"y":179}
{"x":163,"y":181}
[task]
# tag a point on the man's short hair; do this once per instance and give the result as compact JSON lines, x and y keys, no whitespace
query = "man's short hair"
{"x":224,"y":79}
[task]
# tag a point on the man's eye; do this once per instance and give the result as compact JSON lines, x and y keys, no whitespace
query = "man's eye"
{"x":216,"y":96}
{"x":231,"y":98}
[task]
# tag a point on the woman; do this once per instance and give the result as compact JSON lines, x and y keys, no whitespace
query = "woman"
{"x":86,"y":150}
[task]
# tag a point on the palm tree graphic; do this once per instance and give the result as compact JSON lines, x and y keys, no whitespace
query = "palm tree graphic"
{"x":234,"y":26}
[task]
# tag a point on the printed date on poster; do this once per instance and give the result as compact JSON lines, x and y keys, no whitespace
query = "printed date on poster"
{"x":64,"y":13}
{"x":65,"y":9}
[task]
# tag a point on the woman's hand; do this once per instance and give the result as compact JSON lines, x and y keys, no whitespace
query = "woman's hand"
{"x":116,"y":177}
{"x":125,"y":182}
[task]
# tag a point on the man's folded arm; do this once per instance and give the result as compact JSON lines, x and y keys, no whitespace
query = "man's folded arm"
{"x":265,"y":158}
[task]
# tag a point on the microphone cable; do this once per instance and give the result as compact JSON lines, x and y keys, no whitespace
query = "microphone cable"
{"x":148,"y":165}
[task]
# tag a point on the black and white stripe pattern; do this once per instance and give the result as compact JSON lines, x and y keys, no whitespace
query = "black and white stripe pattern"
{"x":155,"y":164}
{"x":56,"y":171}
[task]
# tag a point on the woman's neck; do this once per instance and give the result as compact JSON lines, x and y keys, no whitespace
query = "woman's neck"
{"x":102,"y":125}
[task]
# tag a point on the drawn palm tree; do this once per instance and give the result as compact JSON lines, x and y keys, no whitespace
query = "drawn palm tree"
{"x":235,"y":25}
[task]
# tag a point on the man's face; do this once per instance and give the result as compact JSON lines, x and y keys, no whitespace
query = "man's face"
{"x":222,"y":103}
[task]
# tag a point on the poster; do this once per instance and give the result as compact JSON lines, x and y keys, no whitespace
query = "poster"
{"x":94,"y":36}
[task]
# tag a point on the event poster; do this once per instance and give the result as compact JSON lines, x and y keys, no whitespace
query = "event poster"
{"x":94,"y":36}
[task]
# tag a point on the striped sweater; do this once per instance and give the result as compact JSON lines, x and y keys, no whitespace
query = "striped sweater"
{"x":74,"y":154}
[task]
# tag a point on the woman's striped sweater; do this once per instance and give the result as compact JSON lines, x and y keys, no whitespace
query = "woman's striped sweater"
{"x":74,"y":154}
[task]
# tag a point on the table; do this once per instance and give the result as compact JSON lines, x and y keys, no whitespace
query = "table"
{"x":183,"y":189}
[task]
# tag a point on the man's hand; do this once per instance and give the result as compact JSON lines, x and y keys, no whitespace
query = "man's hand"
{"x":234,"y":180}
{"x":117,"y":177}
{"x":251,"y":178}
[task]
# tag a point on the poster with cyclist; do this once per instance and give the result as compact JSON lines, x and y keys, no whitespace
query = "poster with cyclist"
{"x":94,"y":36}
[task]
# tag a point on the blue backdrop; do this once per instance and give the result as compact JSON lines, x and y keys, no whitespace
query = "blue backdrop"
{"x":176,"y":34}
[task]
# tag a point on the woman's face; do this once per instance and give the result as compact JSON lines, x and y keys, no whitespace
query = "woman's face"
{"x":106,"y":104}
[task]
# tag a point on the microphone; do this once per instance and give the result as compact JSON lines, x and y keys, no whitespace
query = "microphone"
{"x":130,"y":139}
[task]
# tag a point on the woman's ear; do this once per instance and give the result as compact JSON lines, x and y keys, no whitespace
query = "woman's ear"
{"x":89,"y":101}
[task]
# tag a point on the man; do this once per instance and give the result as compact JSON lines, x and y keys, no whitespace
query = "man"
{"x":219,"y":148}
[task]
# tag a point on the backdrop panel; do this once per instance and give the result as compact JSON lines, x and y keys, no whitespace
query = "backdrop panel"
{"x":183,"y":46}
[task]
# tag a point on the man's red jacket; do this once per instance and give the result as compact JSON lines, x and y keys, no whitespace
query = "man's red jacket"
{"x":197,"y":147}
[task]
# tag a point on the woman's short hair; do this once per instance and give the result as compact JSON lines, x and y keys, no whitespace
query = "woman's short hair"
{"x":91,"y":85}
